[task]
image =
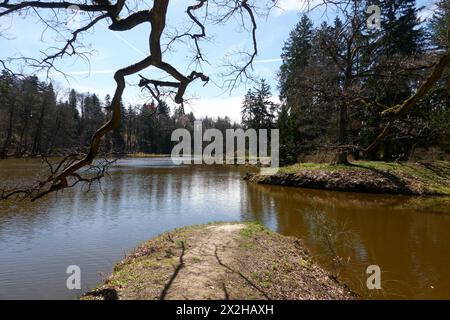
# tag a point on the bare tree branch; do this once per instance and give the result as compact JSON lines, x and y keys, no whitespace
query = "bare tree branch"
{"x":69,"y":171}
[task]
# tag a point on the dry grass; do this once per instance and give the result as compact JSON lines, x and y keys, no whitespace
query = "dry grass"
{"x":220,"y":261}
{"x":419,"y":178}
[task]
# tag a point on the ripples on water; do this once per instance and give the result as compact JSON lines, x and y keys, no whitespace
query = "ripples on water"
{"x":406,"y":237}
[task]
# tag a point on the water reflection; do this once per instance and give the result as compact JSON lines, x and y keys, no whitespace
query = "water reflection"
{"x":410,"y":245}
{"x":406,"y":237}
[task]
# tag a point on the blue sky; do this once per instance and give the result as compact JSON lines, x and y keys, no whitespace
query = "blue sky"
{"x":114,"y":50}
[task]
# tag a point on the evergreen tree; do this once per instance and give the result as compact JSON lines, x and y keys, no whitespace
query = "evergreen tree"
{"x":8,"y":105}
{"x":258,"y":111}
{"x":402,"y":31}
{"x":438,"y":24}
{"x":296,"y":54}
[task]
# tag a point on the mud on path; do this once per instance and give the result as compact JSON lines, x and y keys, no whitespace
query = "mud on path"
{"x":220,"y":261}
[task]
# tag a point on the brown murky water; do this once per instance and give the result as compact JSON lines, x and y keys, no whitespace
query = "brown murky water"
{"x":408,"y":238}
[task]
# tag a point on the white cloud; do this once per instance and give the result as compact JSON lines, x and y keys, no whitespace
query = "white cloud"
{"x":215,"y":107}
{"x":428,"y":10}
{"x":285,"y":6}
{"x":268,"y":60}
{"x":77,"y":73}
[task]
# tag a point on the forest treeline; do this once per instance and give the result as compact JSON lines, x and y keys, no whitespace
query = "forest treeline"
{"x":34,"y":122}
{"x":334,"y":82}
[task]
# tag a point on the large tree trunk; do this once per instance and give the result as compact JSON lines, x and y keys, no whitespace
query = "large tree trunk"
{"x":4,"y":152}
{"x":342,"y":153}
{"x":342,"y":157}
{"x":38,"y":133}
{"x":52,"y":143}
{"x":24,"y":129}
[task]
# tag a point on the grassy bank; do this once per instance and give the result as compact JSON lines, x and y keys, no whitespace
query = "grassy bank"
{"x":425,"y":178}
{"x":146,"y":155}
{"x":220,"y":261}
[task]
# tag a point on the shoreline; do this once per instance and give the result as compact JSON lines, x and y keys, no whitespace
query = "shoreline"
{"x":373,"y":177}
{"x":220,"y":261}
{"x":414,"y":179}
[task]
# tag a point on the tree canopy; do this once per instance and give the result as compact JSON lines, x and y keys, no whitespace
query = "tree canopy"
{"x":376,"y":93}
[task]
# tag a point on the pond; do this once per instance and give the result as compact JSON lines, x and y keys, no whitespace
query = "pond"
{"x":408,"y":238}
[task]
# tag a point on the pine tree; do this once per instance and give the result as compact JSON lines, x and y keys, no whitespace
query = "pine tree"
{"x":402,"y":31}
{"x":439,"y":23}
{"x":8,"y":104}
{"x":296,"y":54}
{"x":258,"y":111}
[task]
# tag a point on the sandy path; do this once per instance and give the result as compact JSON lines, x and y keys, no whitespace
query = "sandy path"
{"x":203,"y":266}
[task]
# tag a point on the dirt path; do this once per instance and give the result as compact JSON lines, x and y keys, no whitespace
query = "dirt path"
{"x":204,"y":264}
{"x":220,"y":261}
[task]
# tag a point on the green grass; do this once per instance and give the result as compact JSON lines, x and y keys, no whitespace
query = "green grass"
{"x":146,"y":155}
{"x":253,"y":228}
{"x":432,"y":175}
{"x":295,"y":168}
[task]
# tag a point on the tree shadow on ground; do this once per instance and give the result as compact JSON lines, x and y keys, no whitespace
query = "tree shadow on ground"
{"x":438,"y":170}
{"x":175,"y":273}
{"x":241,"y":275}
{"x":106,"y":294}
{"x":225,"y":291}
{"x":399,"y":183}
